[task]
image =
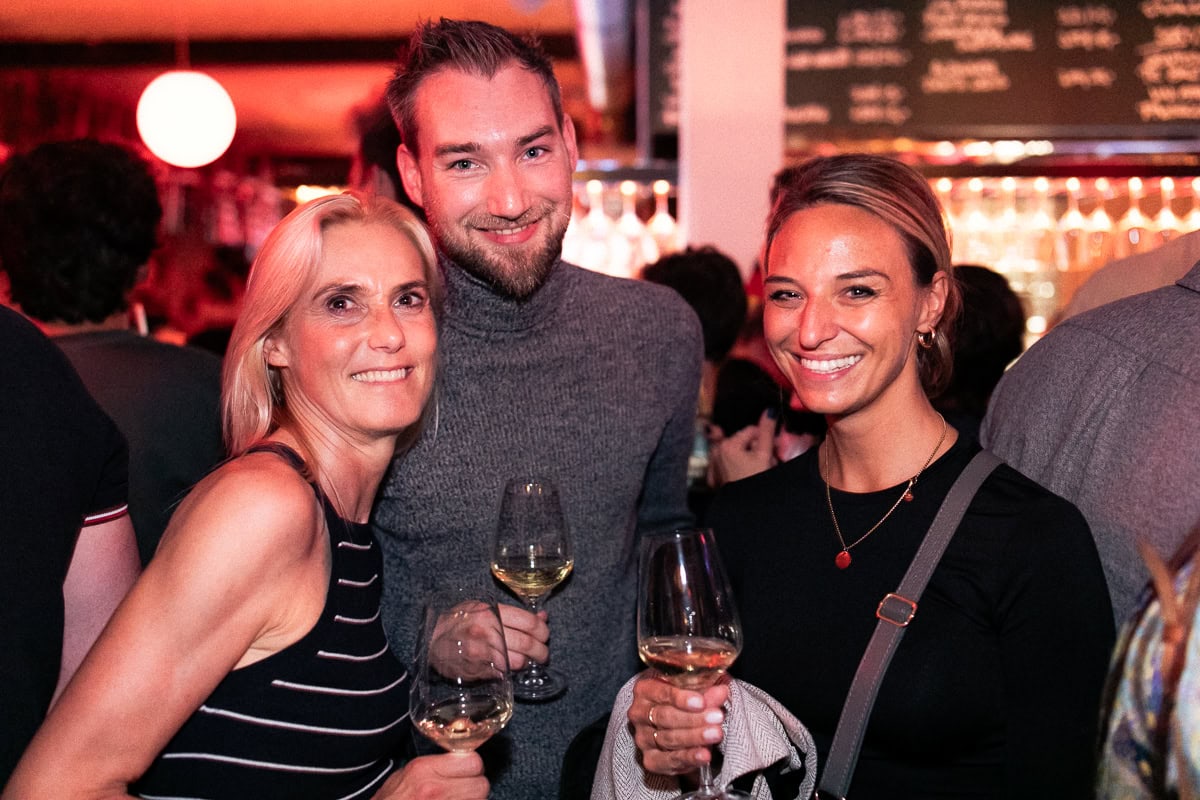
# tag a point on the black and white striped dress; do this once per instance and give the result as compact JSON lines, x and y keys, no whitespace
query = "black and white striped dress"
{"x":326,"y":717}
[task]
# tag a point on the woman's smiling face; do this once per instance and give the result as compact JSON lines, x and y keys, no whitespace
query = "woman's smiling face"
{"x":843,"y":308}
{"x":357,"y":351}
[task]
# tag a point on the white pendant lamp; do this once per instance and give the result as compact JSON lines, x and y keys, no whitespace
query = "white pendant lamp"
{"x":186,"y":118}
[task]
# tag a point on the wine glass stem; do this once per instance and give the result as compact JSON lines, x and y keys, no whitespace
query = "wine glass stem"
{"x":533,"y":669}
{"x":706,"y":787}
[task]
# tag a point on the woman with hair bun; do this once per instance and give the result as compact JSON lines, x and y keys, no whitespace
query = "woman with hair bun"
{"x":994,"y":689}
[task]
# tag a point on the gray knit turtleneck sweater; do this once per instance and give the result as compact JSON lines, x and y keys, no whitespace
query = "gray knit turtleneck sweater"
{"x":592,"y":382}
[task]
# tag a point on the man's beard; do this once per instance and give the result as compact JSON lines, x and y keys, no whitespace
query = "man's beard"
{"x":518,"y":276}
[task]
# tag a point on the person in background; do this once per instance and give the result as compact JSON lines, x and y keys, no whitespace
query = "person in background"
{"x":993,"y":691}
{"x":1102,"y":410}
{"x":220,"y":299}
{"x":751,"y":346}
{"x":78,"y":223}
{"x":375,"y":168}
{"x":756,"y":424}
{"x":249,"y":659}
{"x":69,"y":549}
{"x":174,"y":297}
{"x":548,"y":368}
{"x":1150,"y":719}
{"x":989,"y":336}
{"x":711,"y":284}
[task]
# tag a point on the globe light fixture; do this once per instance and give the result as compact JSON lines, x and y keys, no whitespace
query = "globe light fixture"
{"x":186,"y":118}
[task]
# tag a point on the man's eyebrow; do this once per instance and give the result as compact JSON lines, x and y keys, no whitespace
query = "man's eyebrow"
{"x":529,"y":139}
{"x":465,"y":148}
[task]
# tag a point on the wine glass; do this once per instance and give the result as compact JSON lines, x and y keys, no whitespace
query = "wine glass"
{"x":688,"y":626}
{"x":531,"y":555}
{"x":461,"y":693}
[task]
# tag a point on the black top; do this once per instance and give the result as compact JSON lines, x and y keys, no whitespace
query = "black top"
{"x":326,"y":717}
{"x":994,"y":690}
{"x":61,"y":461}
{"x":167,"y":402}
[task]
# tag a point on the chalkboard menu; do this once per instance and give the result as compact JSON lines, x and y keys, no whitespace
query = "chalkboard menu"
{"x":993,"y":69}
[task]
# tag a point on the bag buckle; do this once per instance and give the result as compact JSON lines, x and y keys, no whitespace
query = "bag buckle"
{"x":896,"y":609}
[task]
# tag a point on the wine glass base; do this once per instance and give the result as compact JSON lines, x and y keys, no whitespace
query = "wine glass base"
{"x":546,"y":685}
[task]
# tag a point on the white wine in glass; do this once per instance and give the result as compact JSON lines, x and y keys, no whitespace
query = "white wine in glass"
{"x":531,"y":555}
{"x":461,"y":692}
{"x":688,"y":626}
{"x":689,"y":662}
{"x":531,"y":577}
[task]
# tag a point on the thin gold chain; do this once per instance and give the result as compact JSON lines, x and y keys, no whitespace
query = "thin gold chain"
{"x":911,"y":483}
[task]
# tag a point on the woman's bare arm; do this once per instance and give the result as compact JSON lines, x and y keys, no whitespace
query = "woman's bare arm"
{"x":241,"y":573}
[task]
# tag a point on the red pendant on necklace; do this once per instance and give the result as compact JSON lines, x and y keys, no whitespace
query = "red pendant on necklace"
{"x":842,"y":559}
{"x":908,"y":497}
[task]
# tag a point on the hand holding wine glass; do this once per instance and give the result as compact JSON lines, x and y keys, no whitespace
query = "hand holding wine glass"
{"x":531,"y":555}
{"x":461,"y":692}
{"x":688,"y":626}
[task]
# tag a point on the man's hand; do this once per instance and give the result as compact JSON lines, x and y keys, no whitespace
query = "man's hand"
{"x":526,"y":635}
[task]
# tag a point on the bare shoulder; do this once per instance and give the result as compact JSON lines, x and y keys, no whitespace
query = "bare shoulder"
{"x":256,"y":509}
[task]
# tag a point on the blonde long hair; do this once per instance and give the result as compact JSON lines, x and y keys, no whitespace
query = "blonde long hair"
{"x":253,"y":404}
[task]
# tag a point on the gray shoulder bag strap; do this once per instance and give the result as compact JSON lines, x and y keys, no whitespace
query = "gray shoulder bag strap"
{"x":895,"y":612}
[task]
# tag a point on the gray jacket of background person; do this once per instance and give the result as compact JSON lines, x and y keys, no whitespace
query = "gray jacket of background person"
{"x":591,"y":382}
{"x":1105,"y":411}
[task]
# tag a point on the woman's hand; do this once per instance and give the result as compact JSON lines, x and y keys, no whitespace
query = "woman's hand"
{"x":448,"y":776}
{"x":675,"y":728}
{"x":747,"y":452}
{"x":526,"y":635}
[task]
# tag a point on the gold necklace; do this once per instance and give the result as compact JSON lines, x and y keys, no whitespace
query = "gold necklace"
{"x":842,"y":560}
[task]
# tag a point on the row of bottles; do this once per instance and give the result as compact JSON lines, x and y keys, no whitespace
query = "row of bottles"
{"x":610,"y":232}
{"x":1049,"y":235}
{"x":1046,"y":235}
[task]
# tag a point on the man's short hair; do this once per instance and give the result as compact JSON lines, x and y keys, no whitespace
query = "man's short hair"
{"x":78,"y":220}
{"x":475,"y":48}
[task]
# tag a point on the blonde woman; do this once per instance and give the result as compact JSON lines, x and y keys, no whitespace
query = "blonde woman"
{"x":250,"y":660}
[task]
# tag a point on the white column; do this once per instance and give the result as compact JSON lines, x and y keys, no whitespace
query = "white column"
{"x":731,"y":104}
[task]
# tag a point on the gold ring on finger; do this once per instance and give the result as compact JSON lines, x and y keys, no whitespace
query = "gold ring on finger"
{"x":655,"y":736}
{"x":650,"y":716}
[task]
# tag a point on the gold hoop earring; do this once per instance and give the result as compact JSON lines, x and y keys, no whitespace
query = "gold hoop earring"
{"x":926,"y":338}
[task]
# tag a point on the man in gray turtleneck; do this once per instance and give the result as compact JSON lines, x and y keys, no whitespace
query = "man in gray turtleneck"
{"x":545,"y":368}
